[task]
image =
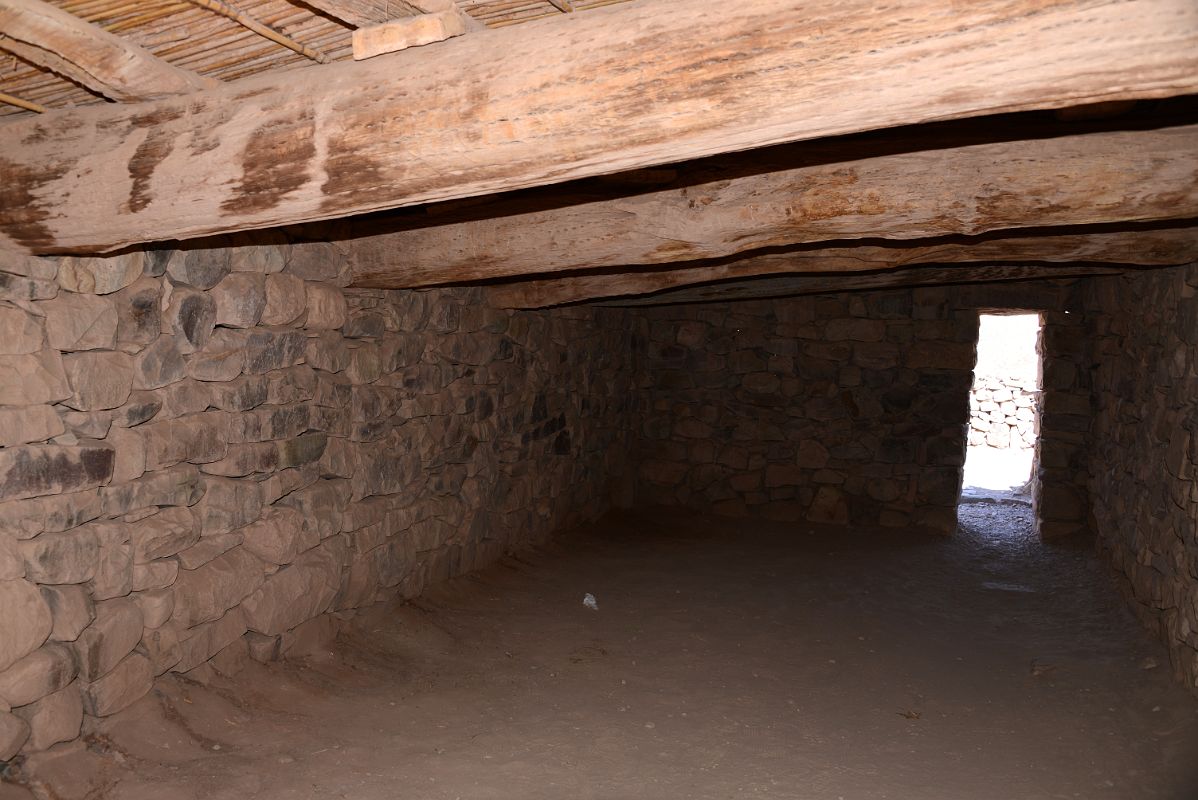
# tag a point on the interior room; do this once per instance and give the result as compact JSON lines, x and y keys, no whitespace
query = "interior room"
{"x":599,"y":399}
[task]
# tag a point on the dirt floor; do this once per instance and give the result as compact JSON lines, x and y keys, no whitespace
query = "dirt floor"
{"x":724,"y":660}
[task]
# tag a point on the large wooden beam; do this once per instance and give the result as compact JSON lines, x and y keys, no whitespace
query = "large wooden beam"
{"x":1071,"y":180}
{"x":636,"y":84}
{"x":1160,"y":247}
{"x":793,"y":285}
{"x":49,"y":37}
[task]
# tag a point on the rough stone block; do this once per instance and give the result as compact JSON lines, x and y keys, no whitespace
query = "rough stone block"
{"x":130,"y":449}
{"x":240,"y":298}
{"x":12,"y":562}
{"x":127,"y":683}
{"x":14,"y":732}
{"x":161,"y":646}
{"x":201,"y":268}
{"x":160,"y":364}
{"x":269,"y":422}
{"x":99,"y":379}
{"x":139,"y":312}
{"x":55,"y":718}
{"x":112,"y":636}
{"x":286,"y":299}
{"x":25,"y":424}
{"x":269,"y":349}
{"x":227,"y":504}
{"x":155,"y":574}
{"x":80,"y":322}
{"x":279,"y":536}
{"x":245,"y":459}
{"x":197,"y":438}
{"x":264,"y":259}
{"x":42,"y":672}
{"x":191,"y":316}
{"x":319,"y":506}
{"x":20,"y":332}
{"x":365,"y":325}
{"x":24,"y":519}
{"x":33,"y":378}
{"x":156,"y":606}
{"x":206,"y":593}
{"x":184,"y":397}
{"x":301,"y":450}
{"x":71,"y":610}
{"x":26,"y":622}
{"x":327,"y":309}
{"x":35,"y":470}
{"x":328,"y":352}
{"x":114,"y":571}
{"x":61,"y":558}
{"x":204,"y":641}
{"x":163,"y":534}
{"x":241,"y":394}
{"x":178,"y":486}
{"x":365,"y":364}
{"x":292,"y":595}
{"x":315,"y":261}
{"x":100,"y":274}
{"x":221,"y":360}
{"x":14,"y":263}
{"x":207,"y":549}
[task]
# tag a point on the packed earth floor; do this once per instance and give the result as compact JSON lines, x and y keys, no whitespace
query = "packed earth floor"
{"x":724,"y":659}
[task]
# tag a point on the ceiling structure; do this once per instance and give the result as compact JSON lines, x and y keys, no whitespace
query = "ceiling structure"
{"x":674,"y":150}
{"x":203,"y":39}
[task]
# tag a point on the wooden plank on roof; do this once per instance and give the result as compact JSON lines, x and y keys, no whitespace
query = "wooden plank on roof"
{"x":51,"y":38}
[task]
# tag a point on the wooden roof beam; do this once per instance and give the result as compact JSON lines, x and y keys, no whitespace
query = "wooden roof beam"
{"x":640,"y":84}
{"x":49,"y":37}
{"x":798,"y":285}
{"x":1155,"y":248}
{"x":1069,"y":180}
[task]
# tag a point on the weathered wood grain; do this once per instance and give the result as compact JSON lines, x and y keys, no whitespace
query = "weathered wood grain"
{"x":638,"y":84}
{"x":396,"y":35}
{"x":793,"y":285}
{"x":1162,"y":247}
{"x":87,"y":54}
{"x":1070,"y":180}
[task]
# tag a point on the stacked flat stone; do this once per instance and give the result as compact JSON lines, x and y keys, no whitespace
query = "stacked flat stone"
{"x":1144,"y":465}
{"x":1002,"y":412}
{"x":208,"y":455}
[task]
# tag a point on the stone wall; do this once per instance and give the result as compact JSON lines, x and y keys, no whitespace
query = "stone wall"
{"x":1002,"y":412}
{"x":850,"y":408}
{"x":209,"y":455}
{"x":834,"y":409}
{"x":1143,"y":460}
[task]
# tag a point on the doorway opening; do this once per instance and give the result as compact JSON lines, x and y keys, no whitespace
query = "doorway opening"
{"x":1004,"y":424}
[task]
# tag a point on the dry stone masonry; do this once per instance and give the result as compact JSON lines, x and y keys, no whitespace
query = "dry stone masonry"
{"x":214,"y":454}
{"x":832,"y":409}
{"x":1143,"y":454}
{"x":1002,"y":412}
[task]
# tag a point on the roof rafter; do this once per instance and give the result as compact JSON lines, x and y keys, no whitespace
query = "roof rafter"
{"x":53,"y":39}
